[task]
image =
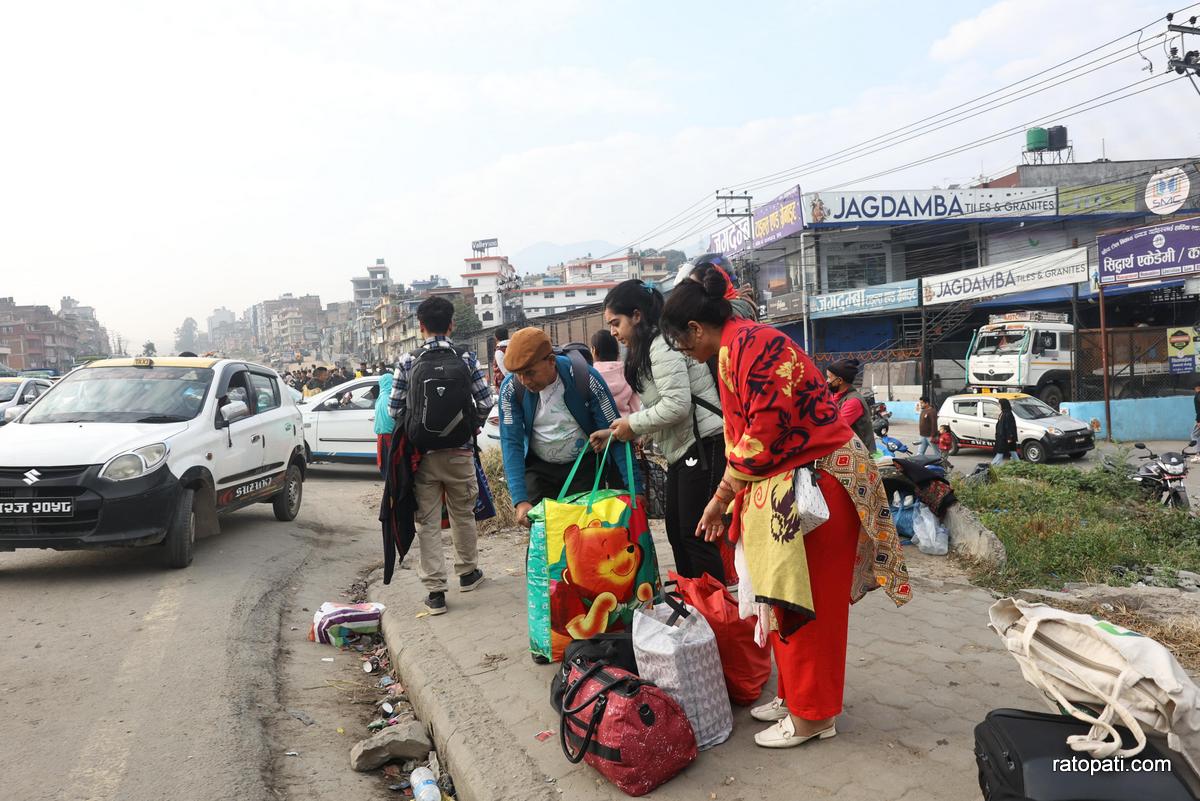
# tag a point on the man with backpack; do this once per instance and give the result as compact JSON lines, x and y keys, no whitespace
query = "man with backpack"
{"x":549,"y":405}
{"x":440,"y":396}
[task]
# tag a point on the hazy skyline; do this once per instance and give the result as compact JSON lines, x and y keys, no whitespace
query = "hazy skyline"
{"x":161,"y":159}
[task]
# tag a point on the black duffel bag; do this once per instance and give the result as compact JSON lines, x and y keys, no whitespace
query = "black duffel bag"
{"x":614,"y":649}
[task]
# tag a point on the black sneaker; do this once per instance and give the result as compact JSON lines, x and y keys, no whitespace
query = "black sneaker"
{"x":471,"y":580}
{"x":435,"y":604}
{"x":538,"y":659}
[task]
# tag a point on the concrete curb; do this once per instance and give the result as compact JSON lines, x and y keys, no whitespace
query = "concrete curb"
{"x":970,"y":537}
{"x":472,"y":743}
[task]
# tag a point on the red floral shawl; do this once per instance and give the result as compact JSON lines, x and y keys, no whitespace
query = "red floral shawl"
{"x":779,"y":412}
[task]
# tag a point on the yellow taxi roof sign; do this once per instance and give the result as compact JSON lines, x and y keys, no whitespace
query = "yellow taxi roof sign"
{"x":145,"y":361}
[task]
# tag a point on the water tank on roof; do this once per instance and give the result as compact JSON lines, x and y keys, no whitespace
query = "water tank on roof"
{"x":1037,"y":139}
{"x":1058,"y":137}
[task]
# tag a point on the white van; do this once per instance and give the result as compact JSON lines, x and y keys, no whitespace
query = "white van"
{"x":132,"y":452}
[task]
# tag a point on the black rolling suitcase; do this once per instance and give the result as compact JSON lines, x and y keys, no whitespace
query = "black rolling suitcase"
{"x":1017,"y":753}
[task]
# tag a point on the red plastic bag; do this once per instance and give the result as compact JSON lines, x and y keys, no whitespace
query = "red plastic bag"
{"x":747,"y":667}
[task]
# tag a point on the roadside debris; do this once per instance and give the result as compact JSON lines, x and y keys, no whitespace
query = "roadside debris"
{"x":302,"y":716}
{"x":341,"y":624}
{"x":404,"y":741}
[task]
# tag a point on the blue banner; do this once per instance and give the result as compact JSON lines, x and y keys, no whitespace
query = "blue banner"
{"x":883,"y":297}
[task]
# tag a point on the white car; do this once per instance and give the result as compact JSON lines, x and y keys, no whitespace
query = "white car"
{"x":148,"y":451}
{"x":1042,"y":432}
{"x":17,"y":392}
{"x":339,"y":423}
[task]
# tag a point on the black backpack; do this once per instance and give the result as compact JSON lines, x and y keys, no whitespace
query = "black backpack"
{"x":441,"y":407}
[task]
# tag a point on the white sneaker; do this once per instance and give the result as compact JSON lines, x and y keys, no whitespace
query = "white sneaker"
{"x":783,"y":735}
{"x":770,"y":712}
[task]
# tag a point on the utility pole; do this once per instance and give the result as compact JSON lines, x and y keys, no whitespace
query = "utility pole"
{"x":728,"y":213}
{"x":1190,"y":63}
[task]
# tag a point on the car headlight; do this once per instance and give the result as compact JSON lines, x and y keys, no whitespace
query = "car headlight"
{"x":135,"y":463}
{"x":1055,"y":431}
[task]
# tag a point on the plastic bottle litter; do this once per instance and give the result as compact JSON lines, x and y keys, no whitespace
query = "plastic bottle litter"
{"x":424,"y":785}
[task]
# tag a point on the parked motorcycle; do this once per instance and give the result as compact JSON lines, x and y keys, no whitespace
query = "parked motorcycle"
{"x":1162,"y":475}
{"x":882,"y":417}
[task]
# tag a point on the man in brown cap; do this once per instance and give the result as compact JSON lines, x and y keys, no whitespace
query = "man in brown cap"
{"x":549,"y":406}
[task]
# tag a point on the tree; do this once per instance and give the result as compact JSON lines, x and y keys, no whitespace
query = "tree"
{"x":466,"y":322}
{"x":185,"y":335}
{"x":148,"y":349}
{"x":674,"y":257}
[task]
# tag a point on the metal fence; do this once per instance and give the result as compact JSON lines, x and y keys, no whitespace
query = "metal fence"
{"x":1138,"y":366}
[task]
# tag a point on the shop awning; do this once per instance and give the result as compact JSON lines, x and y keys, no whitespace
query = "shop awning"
{"x":1062,"y":294}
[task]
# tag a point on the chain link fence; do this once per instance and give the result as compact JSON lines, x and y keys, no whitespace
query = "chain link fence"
{"x":1138,"y":366}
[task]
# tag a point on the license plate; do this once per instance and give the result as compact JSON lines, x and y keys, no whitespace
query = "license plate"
{"x":41,"y":507}
{"x":1081,"y":439}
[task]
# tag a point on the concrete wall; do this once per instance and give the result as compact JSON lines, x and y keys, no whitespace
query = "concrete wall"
{"x":902,"y":411}
{"x":1141,"y":419}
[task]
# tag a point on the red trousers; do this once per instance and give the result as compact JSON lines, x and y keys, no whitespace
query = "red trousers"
{"x":812,"y":663}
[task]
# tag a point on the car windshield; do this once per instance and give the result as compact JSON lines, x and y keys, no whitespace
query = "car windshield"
{"x":8,"y":390}
{"x":124,"y":395}
{"x":997,"y":342}
{"x":1032,"y":409}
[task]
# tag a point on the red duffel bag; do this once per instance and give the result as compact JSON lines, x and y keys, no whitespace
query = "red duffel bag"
{"x":633,"y":733}
{"x":747,"y":667}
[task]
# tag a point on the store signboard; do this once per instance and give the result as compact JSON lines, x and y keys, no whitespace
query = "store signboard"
{"x":1008,"y":277}
{"x":777,"y":218}
{"x":882,"y":297}
{"x":1168,"y":250}
{"x":829,"y":209}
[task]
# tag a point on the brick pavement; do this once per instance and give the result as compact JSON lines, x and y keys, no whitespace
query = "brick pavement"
{"x":918,"y":680}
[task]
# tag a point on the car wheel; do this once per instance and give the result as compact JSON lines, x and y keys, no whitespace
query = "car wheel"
{"x":953,"y":444}
{"x":181,"y":536}
{"x":1033,"y":451}
{"x":287,"y":501}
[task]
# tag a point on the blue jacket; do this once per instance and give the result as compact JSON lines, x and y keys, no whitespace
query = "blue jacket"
{"x":516,"y":423}
{"x":384,"y":424}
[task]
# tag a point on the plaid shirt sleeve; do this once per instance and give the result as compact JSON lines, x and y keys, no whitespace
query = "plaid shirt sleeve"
{"x":480,"y":389}
{"x":398,"y":402}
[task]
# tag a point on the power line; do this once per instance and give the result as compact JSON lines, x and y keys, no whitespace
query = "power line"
{"x":926,"y":120}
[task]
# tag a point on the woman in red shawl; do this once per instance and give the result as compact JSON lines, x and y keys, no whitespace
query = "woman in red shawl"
{"x":779,"y":419}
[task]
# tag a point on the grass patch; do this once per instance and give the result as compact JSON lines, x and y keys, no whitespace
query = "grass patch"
{"x":1061,"y":524}
{"x":506,"y":516}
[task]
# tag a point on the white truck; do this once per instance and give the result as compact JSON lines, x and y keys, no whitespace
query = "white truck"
{"x":1027,"y":351}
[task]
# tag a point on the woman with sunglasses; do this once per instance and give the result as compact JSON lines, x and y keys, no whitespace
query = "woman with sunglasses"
{"x":779,"y":417}
{"x":681,"y":411}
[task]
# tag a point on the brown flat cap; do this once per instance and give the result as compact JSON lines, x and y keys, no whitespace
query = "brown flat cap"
{"x":526,"y":347}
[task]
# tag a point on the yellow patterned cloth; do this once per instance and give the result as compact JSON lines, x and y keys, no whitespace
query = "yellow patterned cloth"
{"x":879,"y":562}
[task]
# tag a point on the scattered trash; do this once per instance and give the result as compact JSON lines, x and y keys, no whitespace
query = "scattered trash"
{"x":447,"y":786}
{"x":340,"y":730}
{"x":340,"y":624}
{"x":292,"y":753}
{"x":376,"y":725}
{"x":388,"y":709}
{"x":393,"y":772}
{"x":302,"y":716}
{"x":386,"y":681}
{"x":369,"y":666}
{"x":422,"y":614}
{"x":729,"y":780}
{"x":543,"y":736}
{"x":327,"y":659}
{"x":425,"y":785}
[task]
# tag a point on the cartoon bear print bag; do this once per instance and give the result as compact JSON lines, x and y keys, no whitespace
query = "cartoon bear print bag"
{"x":591,"y":563}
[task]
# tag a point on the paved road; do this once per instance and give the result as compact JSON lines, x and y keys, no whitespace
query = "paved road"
{"x":122,"y":680}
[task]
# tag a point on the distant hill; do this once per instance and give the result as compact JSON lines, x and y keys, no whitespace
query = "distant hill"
{"x":537,"y":257}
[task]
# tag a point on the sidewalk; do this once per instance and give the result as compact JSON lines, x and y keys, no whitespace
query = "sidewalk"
{"x":918,"y":680}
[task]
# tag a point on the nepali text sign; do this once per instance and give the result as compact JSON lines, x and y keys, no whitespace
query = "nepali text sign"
{"x":779,"y":218}
{"x":939,"y":205}
{"x":883,"y":297}
{"x":1169,"y":250}
{"x":772,"y":221}
{"x":1007,"y":277}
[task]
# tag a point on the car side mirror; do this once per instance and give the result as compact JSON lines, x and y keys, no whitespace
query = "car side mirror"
{"x":28,"y":397}
{"x":234,"y":411}
{"x":12,"y":413}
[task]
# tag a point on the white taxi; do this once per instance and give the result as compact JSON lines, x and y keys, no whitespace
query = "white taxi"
{"x":148,"y":451}
{"x":1042,"y":431}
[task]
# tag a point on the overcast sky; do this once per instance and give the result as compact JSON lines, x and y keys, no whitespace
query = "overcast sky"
{"x":160,"y":159}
